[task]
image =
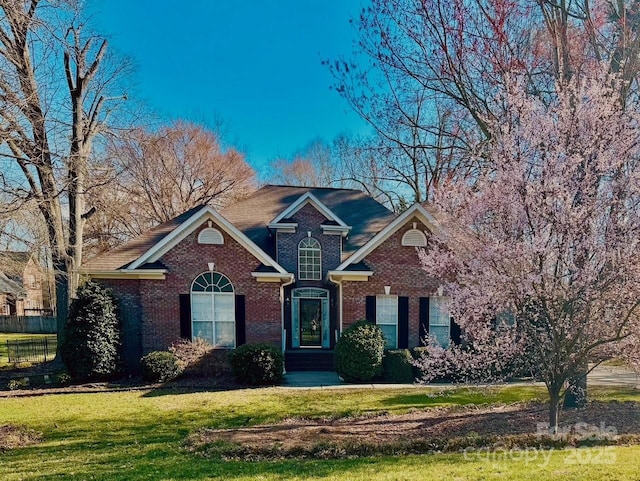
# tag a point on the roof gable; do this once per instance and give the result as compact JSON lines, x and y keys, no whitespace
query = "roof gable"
{"x":354,"y":208}
{"x":148,"y":250}
{"x":415,"y":210}
{"x":308,"y":198}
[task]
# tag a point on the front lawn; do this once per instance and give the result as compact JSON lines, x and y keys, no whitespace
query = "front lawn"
{"x":141,"y":434}
{"x":4,"y":337}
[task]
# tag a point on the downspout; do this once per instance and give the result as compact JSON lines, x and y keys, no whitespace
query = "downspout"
{"x":291,"y":280}
{"x":339,"y":284}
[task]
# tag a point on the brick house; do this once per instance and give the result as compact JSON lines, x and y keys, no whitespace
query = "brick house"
{"x":292,"y":266}
{"x":24,"y":287}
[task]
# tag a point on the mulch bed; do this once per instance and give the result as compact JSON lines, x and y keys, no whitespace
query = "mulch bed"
{"x":426,"y":430}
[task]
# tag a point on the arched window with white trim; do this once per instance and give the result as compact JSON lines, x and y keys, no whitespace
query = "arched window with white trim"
{"x":309,"y":260}
{"x":213,"y":309}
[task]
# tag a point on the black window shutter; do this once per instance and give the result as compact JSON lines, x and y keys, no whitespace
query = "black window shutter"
{"x":403,"y":322}
{"x":370,"y":307}
{"x":241,"y":336}
{"x":424,"y":320}
{"x":455,"y":332}
{"x":185,"y":316}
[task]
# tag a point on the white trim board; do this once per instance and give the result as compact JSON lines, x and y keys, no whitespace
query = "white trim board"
{"x":303,"y":200}
{"x":189,"y":226}
{"x":416,"y":210}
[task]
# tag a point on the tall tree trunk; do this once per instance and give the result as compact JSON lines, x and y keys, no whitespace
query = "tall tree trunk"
{"x":554,"y":409}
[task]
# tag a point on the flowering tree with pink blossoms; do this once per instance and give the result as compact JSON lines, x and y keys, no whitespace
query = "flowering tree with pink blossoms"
{"x":542,"y":251}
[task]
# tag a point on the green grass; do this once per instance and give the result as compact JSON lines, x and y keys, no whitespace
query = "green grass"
{"x":139,"y":435}
{"x":4,"y":337}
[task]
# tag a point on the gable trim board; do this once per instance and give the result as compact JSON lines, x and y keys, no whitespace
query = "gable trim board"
{"x":309,"y":198}
{"x":415,"y":210}
{"x":190,"y":225}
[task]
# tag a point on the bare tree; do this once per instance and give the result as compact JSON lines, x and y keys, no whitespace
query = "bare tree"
{"x":55,"y":99}
{"x":434,"y":81}
{"x":159,"y":175}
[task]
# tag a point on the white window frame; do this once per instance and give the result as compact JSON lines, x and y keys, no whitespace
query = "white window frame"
{"x":213,"y":292}
{"x":5,"y":309}
{"x":384,"y":320}
{"x":317,"y":249}
{"x":440,"y":316}
{"x":31,"y":281}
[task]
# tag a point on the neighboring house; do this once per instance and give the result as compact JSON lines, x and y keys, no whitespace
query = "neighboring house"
{"x":31,"y":297}
{"x":291,"y":266}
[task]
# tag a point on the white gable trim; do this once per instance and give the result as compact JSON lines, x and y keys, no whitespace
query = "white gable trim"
{"x":190,"y":225}
{"x":416,"y":210}
{"x":303,"y":200}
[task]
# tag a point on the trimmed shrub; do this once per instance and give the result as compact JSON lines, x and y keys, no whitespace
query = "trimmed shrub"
{"x":398,"y":366}
{"x":257,"y":364}
{"x":201,"y":359}
{"x":359,"y":352}
{"x":160,"y":366}
{"x":418,"y":353}
{"x":92,"y":337}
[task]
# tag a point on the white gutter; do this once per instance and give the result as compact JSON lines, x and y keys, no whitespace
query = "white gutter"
{"x":282,"y":330}
{"x":339,"y":284}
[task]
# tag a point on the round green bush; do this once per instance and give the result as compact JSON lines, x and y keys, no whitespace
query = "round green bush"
{"x":398,"y":366}
{"x":257,"y":364}
{"x":92,"y":336}
{"x":359,"y":352}
{"x":160,"y":366}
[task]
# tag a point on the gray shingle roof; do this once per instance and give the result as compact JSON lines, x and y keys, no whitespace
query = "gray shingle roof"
{"x":252,"y":215}
{"x":8,"y":286}
{"x":125,"y":254}
{"x":365,"y":215}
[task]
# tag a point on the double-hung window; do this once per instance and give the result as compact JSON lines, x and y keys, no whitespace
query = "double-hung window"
{"x":440,"y":320}
{"x":387,"y":319}
{"x":213,"y":309}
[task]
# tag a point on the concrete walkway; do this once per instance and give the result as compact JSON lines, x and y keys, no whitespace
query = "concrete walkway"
{"x":600,"y":376}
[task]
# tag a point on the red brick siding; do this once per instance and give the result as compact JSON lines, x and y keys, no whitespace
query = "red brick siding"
{"x":308,"y":219}
{"x":396,"y":266}
{"x":159,"y":299}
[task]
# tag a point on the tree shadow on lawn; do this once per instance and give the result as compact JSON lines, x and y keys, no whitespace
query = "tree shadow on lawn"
{"x":449,"y":428}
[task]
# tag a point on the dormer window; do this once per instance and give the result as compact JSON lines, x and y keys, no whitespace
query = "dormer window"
{"x":414,"y":238}
{"x":210,"y":235}
{"x":309,"y":260}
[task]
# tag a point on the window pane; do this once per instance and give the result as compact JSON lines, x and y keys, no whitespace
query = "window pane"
{"x":441,"y":333}
{"x":224,"y":307}
{"x":203,"y":330}
{"x":387,"y":310}
{"x":439,"y":314}
{"x":390,"y":335}
{"x":225,"y":334}
{"x":201,"y":307}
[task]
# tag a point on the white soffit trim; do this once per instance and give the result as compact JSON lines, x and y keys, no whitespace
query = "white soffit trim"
{"x":350,"y":275}
{"x":416,"y":210}
{"x":303,"y":200}
{"x":190,"y":225}
{"x":153,"y":274}
{"x":272,"y":276}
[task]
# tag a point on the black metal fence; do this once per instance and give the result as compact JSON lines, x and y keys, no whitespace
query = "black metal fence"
{"x":31,"y":350}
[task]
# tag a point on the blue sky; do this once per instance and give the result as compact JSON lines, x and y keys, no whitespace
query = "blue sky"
{"x":256,"y":65}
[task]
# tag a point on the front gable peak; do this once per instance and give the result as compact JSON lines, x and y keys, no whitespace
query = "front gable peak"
{"x":334,"y":225}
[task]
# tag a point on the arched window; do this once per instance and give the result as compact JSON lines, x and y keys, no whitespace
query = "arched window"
{"x":213,"y":309}
{"x":210,"y":236}
{"x":414,"y":238}
{"x":309,"y":260}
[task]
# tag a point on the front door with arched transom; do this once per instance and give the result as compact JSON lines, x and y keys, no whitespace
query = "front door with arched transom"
{"x":310,"y":318}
